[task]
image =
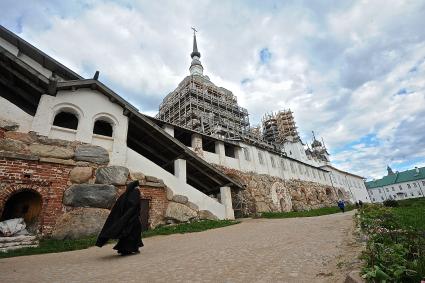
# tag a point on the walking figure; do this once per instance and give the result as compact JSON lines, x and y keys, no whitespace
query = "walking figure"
{"x":341,"y":205}
{"x":123,"y":223}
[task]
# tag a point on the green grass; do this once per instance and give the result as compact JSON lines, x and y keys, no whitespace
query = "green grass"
{"x":189,"y":227}
{"x":411,"y":213}
{"x":306,"y":213}
{"x":52,"y":246}
{"x":58,"y":246}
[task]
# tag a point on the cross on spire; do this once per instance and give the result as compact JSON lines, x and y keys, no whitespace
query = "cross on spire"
{"x":194,"y":30}
{"x":195,"y":51}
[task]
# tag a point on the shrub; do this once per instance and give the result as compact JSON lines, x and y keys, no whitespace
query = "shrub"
{"x":390,"y":203}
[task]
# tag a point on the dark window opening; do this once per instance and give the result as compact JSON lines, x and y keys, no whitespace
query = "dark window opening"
{"x":184,"y":138}
{"x":229,"y":151}
{"x":66,"y":120}
{"x":102,"y":128}
{"x":208,"y":145}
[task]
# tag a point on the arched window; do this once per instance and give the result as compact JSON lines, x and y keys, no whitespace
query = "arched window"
{"x":66,"y":120}
{"x":102,"y":128}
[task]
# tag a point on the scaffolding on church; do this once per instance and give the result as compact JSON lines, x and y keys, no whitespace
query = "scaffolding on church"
{"x":199,"y":105}
{"x":279,"y":127}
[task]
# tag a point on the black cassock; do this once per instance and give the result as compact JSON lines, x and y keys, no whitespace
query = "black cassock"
{"x":123,"y":223}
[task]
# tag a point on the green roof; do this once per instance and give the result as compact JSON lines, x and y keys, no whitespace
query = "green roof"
{"x":399,"y":177}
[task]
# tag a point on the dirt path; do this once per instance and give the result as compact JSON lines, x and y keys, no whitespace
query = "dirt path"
{"x":257,"y":250}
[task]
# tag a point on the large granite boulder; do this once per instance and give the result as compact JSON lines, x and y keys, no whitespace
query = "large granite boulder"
{"x":92,"y":153}
{"x":80,"y":175}
{"x":115,"y":175}
{"x":79,"y":223}
{"x":170,"y":194}
{"x":12,"y":145}
{"x":207,"y":215}
{"x":180,"y":199}
{"x":179,"y":212}
{"x":44,"y":150}
{"x":90,"y":195}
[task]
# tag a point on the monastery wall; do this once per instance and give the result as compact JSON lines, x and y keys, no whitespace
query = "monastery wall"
{"x":265,"y":193}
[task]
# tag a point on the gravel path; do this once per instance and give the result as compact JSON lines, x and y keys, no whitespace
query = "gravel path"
{"x":257,"y":250}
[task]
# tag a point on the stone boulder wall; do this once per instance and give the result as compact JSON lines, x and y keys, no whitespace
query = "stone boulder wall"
{"x":114,"y":175}
{"x":53,"y":151}
{"x":13,"y":145}
{"x":79,"y":175}
{"x":79,"y":223}
{"x":180,"y":212}
{"x":265,"y":193}
{"x":90,"y":195}
{"x":92,"y":153}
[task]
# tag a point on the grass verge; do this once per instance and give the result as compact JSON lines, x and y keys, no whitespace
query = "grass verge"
{"x":306,"y":213}
{"x":57,"y":246}
{"x":395,"y":250}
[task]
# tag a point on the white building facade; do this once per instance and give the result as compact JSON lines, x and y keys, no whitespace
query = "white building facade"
{"x":397,"y":186}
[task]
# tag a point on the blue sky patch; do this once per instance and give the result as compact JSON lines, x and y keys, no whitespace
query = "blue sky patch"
{"x":265,"y":55}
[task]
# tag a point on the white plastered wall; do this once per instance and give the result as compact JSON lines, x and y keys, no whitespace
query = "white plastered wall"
{"x":11,"y":112}
{"x":137,"y":162}
{"x":81,"y":103}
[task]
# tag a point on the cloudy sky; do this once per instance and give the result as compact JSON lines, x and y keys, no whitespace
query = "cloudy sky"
{"x":352,"y":71}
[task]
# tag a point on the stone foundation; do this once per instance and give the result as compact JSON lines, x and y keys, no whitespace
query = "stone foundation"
{"x":265,"y":193}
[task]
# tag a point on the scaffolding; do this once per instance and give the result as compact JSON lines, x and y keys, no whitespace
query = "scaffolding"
{"x":279,"y":127}
{"x":199,"y":105}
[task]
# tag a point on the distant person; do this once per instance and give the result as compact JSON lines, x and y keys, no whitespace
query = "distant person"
{"x":123,"y":223}
{"x":360,"y":204}
{"x":341,"y":205}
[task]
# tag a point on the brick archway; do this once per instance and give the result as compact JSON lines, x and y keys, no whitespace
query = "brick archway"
{"x":11,"y":191}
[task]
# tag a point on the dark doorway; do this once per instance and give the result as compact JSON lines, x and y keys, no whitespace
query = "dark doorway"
{"x":144,"y":214}
{"x":25,"y":204}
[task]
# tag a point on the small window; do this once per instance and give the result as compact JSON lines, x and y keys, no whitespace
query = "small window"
{"x":419,"y":193}
{"x":260,"y":158}
{"x":412,"y":194}
{"x":399,"y":186}
{"x":408,"y":186}
{"x":392,"y":188}
{"x":373,"y":199}
{"x":380,"y":191}
{"x":387,"y":189}
{"x":102,"y":128}
{"x":414,"y":185}
{"x":371,"y":192}
{"x":423,"y":183}
{"x":229,"y":151}
{"x":272,"y":161}
{"x":208,"y":145}
{"x":66,"y":120}
{"x":246,"y":154}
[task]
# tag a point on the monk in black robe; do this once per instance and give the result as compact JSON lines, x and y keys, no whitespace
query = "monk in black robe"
{"x":123,"y":223}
